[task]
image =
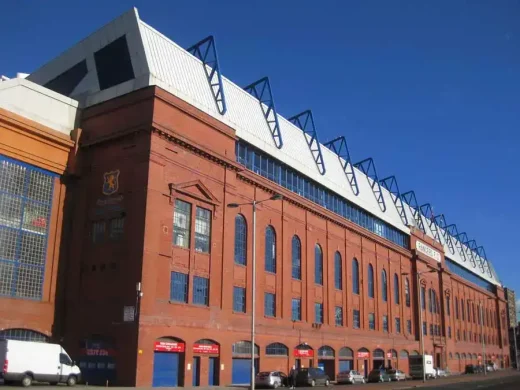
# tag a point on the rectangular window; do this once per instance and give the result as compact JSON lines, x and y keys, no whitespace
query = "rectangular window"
{"x":318,"y":313}
{"x":98,"y":232}
{"x":296,"y":309}
{"x":179,"y":287}
{"x":181,"y":224}
{"x":239,"y":299}
{"x":424,"y":328}
{"x":355,"y":319}
{"x":371,"y":321}
{"x":385,"y":323}
{"x":423,"y":298}
{"x":431,"y":330}
{"x":456,"y":308}
{"x":270,"y":305}
{"x":200,"y":291}
{"x":448,"y":309}
{"x":117,"y":226}
{"x":409,"y":326}
{"x":339,"y":316}
{"x":397,"y":325}
{"x":449,"y":332}
{"x":202,"y":230}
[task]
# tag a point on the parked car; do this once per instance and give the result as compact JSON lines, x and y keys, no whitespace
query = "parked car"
{"x":379,"y":375}
{"x":396,"y":375}
{"x":490,"y":367}
{"x":351,"y":376}
{"x":272,"y":379}
{"x":470,"y":369}
{"x":440,"y":373}
{"x":312,"y":377}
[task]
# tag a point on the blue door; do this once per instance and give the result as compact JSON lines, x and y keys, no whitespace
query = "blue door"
{"x":345,"y":365}
{"x":212,"y":371}
{"x":241,"y":372}
{"x":196,"y":371}
{"x":165,"y":369}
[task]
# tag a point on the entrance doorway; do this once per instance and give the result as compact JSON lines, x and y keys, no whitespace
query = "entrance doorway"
{"x":168,"y":362}
{"x":378,"y":359}
{"x":304,"y":355}
{"x":327,"y":361}
{"x":346,"y":356}
{"x":363,"y":356}
{"x":206,"y":363}
{"x":241,"y":362}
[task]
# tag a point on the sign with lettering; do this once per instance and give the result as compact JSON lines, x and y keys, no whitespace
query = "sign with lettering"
{"x":206,"y":348}
{"x":363,"y":355}
{"x":421,"y":247}
{"x":303,"y":353}
{"x":168,"y":346}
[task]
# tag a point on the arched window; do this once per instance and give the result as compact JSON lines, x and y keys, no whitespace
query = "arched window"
{"x":355,"y":276}
{"x":296,"y":258}
{"x":457,"y":356}
{"x":326,"y":351}
{"x":396,"y":290}
{"x":277,"y":349}
{"x":243,"y":348}
{"x":384,"y":286}
{"x":23,"y":335}
{"x":240,"y":240}
{"x":270,"y":249}
{"x":318,"y":265}
{"x":407,"y":292}
{"x":370,"y":281}
{"x":338,"y":272}
{"x":378,"y":354}
{"x":414,"y":353}
{"x":346,"y":353}
{"x":403,"y":354}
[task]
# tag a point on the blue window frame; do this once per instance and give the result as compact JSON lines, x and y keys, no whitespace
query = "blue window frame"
{"x":240,"y":240}
{"x":397,"y":298}
{"x":338,"y":271}
{"x":469,"y":276}
{"x":296,"y":254}
{"x":370,"y":281}
{"x":385,"y":323}
{"x":338,"y":314}
{"x":355,"y":276}
{"x":277,"y":349}
{"x":23,"y":335}
{"x":371,"y":321}
{"x":318,"y":313}
{"x":430,"y":303}
{"x":407,"y":292}
{"x":384,"y":286}
{"x":272,"y":169}
{"x":296,"y":309}
{"x":200,"y":291}
{"x":318,"y":265}
{"x":26,"y":194}
{"x":355,"y":319}
{"x":179,"y":287}
{"x":397,"y":325}
{"x":270,"y":305}
{"x":239,"y":299}
{"x":270,"y":249}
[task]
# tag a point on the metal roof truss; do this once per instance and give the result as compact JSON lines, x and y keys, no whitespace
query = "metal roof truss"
{"x":305,"y":122}
{"x":410,"y":199}
{"x":390,"y":183}
{"x":368,"y":167}
{"x":340,"y":148}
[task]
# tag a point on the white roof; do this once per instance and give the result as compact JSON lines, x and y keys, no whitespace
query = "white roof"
{"x":156,"y":60}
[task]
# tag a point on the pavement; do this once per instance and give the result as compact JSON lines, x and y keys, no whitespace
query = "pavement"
{"x":500,"y":380}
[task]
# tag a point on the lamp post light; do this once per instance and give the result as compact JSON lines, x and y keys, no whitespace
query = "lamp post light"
{"x":421,"y":330}
{"x":254,"y":203}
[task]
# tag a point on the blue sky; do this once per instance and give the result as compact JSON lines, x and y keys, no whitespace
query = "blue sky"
{"x":429,"y":89}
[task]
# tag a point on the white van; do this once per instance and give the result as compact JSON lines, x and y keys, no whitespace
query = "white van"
{"x":27,"y":361}
{"x":416,"y":367}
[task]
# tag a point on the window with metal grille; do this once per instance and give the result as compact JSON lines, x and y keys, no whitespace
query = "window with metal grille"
{"x":239,"y":299}
{"x":409,"y":326}
{"x":371,"y":321}
{"x":379,"y":354}
{"x":240,"y":240}
{"x":384,"y":286}
{"x":370,"y":281}
{"x":403,"y":354}
{"x":355,"y":319}
{"x":326,"y":351}
{"x":270,"y":304}
{"x":346,"y":352}
{"x":296,"y":309}
{"x":396,"y":290}
{"x":200,"y":291}
{"x":397,"y":325}
{"x":23,"y":335}
{"x":338,"y":312}
{"x":407,"y":292}
{"x":181,"y":224}
{"x":202,"y":230}
{"x":318,"y":313}
{"x":355,"y":276}
{"x":270,"y":249}
{"x":25,"y":209}
{"x":276,"y":349}
{"x":338,"y":271}
{"x":385,"y":323}
{"x":431,"y":329}
{"x":243,"y":348}
{"x":318,"y":265}
{"x":296,"y":255}
{"x":117,"y":228}
{"x":98,"y":232}
{"x":179,"y":287}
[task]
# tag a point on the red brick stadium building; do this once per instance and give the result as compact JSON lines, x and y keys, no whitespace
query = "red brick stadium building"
{"x":157,"y":273}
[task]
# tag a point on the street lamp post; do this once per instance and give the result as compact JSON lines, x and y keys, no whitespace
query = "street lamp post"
{"x":421,"y":330}
{"x":254,"y":203}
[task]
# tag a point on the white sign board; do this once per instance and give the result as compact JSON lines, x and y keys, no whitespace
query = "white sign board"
{"x":128,"y":313}
{"x":427,"y":250}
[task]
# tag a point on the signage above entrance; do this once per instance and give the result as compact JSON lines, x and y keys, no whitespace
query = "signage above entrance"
{"x":168,"y":346}
{"x":206,"y":348}
{"x":363,"y":355}
{"x":303,"y":353}
{"x":421,"y":247}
